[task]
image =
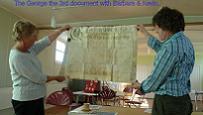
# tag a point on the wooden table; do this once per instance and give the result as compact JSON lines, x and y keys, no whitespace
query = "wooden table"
{"x":118,"y":110}
{"x":124,"y":110}
{"x":130,"y":111}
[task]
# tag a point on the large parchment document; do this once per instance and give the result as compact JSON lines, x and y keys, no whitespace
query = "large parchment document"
{"x":101,"y":53}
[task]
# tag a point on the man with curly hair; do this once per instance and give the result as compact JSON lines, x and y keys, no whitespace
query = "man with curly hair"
{"x":170,"y":77}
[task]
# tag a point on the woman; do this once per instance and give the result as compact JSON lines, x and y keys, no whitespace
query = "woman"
{"x":28,"y":79}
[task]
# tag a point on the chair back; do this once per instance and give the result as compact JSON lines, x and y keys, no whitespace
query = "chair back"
{"x":107,"y":92}
{"x":58,"y":98}
{"x":63,"y":97}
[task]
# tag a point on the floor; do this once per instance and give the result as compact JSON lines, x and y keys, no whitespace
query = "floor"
{"x":57,"y":110}
{"x":8,"y":111}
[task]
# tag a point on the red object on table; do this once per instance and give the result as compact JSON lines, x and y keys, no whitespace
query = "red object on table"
{"x":91,"y":86}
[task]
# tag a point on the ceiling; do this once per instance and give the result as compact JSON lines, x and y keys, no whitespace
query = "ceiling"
{"x":41,"y":16}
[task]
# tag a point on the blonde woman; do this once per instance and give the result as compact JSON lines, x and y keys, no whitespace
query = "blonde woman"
{"x":28,"y":79}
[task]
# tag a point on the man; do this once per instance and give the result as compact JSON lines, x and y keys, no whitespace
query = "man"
{"x":170,"y":77}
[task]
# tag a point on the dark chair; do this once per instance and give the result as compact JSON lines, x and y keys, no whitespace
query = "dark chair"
{"x":107,"y":95}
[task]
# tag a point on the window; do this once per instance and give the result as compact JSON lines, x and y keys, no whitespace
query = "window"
{"x":60,"y":47}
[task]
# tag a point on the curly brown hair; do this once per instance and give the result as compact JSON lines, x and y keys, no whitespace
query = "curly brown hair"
{"x":169,"y":19}
{"x":22,"y":29}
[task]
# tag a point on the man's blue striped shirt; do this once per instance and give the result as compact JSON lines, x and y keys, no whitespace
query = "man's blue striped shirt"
{"x":172,"y":67}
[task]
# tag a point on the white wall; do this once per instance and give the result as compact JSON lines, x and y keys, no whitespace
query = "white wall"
{"x":5,"y":97}
{"x":6,"y":22}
